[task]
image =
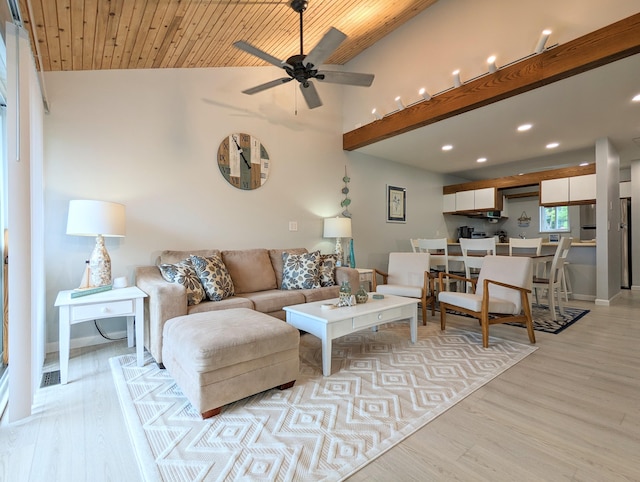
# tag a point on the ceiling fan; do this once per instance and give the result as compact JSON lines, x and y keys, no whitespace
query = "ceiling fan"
{"x":303,"y":67}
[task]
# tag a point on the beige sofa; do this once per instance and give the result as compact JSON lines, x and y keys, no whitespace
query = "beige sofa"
{"x":257,"y":279}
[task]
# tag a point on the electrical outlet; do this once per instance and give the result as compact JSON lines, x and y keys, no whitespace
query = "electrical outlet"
{"x":293,"y":225}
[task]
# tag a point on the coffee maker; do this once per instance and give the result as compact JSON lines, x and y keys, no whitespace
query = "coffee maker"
{"x":465,"y":232}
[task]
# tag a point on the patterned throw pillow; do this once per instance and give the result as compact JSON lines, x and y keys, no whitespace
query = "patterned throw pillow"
{"x":327,"y":264}
{"x":300,"y":271}
{"x":214,"y":277}
{"x":184,"y":273}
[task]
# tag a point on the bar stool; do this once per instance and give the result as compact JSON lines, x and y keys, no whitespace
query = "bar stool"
{"x":566,"y":282}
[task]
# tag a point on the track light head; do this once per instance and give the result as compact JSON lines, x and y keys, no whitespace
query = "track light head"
{"x":375,"y":114}
{"x":399,"y":103}
{"x":456,"y":78}
{"x":492,"y":64}
{"x":544,"y":36}
{"x":425,"y":95}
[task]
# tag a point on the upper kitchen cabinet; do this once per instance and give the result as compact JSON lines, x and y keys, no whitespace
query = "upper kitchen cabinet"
{"x":568,"y":190}
{"x":472,"y":200}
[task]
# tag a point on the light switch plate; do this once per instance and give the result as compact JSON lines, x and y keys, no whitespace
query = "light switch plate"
{"x":293,"y":225}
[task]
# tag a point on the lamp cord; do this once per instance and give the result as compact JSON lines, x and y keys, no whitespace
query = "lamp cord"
{"x":105,"y":336}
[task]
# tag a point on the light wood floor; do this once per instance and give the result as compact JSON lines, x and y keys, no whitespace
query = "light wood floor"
{"x":570,"y":411}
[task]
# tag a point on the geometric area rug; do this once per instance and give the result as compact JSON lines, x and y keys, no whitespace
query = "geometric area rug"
{"x":382,"y":389}
{"x":542,"y":320}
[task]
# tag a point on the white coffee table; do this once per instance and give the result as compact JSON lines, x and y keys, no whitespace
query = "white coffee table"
{"x":328,"y":324}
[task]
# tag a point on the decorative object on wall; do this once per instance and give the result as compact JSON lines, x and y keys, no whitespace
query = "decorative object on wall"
{"x":338,"y":228}
{"x":97,"y":218}
{"x":243,"y":161}
{"x":346,"y":202}
{"x":396,"y":204}
{"x":524,"y":220}
{"x":303,"y":67}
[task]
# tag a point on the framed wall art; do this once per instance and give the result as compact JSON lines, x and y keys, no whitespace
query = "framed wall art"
{"x":396,"y":204}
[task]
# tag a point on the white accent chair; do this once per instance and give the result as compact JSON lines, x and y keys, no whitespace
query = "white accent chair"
{"x":553,"y":283}
{"x":499,"y":295}
{"x":408,"y":275}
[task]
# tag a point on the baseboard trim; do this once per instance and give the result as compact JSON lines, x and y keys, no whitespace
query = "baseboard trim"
{"x":86,"y":341}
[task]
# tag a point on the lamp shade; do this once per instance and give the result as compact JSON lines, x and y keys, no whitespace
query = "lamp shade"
{"x":94,"y":218}
{"x":337,"y":228}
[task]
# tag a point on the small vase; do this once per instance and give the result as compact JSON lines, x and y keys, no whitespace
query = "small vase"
{"x":352,"y":255}
{"x":361,"y":295}
{"x":345,"y":293}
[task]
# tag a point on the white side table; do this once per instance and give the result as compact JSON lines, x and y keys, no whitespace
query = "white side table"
{"x":366,"y":275}
{"x":127,"y":302}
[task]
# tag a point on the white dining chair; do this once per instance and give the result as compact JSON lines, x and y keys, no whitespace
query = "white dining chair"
{"x":527,"y":246}
{"x":553,"y":282}
{"x":438,"y":250}
{"x":473,"y":253}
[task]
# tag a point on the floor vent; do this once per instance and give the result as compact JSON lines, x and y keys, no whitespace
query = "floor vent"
{"x":50,"y":378}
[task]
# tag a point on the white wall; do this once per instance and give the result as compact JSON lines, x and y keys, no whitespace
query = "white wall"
{"x":149,"y":138}
{"x":462,"y":34}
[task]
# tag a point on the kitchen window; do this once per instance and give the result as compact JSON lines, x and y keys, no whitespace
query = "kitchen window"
{"x":554,"y":219}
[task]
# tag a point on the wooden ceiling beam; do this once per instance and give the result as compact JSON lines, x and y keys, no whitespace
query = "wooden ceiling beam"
{"x":608,"y":44}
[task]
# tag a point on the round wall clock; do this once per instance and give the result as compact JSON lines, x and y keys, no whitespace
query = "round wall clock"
{"x":243,"y":161}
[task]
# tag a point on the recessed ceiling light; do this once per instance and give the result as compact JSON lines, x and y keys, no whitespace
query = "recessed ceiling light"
{"x":552,"y":145}
{"x":524,"y":127}
{"x":447,"y":147}
{"x":636,"y":98}
{"x":482,"y":159}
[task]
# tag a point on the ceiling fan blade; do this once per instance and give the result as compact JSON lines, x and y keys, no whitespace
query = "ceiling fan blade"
{"x":267,"y":85}
{"x":349,"y":78}
{"x":250,"y":49}
{"x":331,"y":41}
{"x":310,"y":95}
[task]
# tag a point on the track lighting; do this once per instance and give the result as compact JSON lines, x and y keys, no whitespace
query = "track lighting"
{"x":544,"y":36}
{"x":456,"y":78}
{"x":492,"y":64}
{"x":425,"y":95}
{"x":375,"y":114}
{"x":399,"y":103}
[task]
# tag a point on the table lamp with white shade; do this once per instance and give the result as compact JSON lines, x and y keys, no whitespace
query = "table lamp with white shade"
{"x":97,"y":218}
{"x":338,"y":228}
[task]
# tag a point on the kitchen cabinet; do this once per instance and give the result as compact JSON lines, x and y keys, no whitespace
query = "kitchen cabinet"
{"x":568,"y":190}
{"x":485,"y":199}
{"x":582,"y":188}
{"x":449,"y":203}
{"x":625,"y":189}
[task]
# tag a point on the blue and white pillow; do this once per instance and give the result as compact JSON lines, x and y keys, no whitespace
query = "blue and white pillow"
{"x":184,"y":273}
{"x":214,"y":277}
{"x":300,"y":271}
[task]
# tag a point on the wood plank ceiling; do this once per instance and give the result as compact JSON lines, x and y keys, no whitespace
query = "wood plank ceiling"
{"x":142,"y":34}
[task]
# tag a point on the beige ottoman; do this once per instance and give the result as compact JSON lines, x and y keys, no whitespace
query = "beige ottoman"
{"x":219,"y":357}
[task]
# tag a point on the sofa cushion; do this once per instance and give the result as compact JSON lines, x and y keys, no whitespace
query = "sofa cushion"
{"x":300,"y":271}
{"x":274,"y":300}
{"x":277,"y":263}
{"x":327,"y":266}
{"x":172,"y":257}
{"x":184,"y":273}
{"x":214,"y":277}
{"x":250,"y":270}
{"x":232,"y":302}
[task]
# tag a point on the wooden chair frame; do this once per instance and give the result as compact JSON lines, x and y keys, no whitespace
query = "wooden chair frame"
{"x":483,"y":315}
